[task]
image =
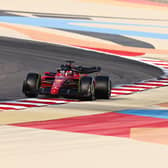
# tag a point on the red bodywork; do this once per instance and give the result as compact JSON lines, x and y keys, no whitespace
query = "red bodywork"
{"x":56,"y":81}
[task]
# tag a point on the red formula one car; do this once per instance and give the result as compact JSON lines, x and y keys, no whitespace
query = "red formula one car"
{"x":69,"y":81}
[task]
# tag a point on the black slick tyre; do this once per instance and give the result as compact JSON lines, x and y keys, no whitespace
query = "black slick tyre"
{"x":102,"y":87}
{"x":31,"y":85}
{"x":87,"y":88}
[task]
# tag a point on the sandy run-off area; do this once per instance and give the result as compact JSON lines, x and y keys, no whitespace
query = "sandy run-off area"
{"x":108,"y":8}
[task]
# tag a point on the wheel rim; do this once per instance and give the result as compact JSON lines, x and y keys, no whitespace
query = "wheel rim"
{"x":109,"y":89}
{"x":92,"y":91}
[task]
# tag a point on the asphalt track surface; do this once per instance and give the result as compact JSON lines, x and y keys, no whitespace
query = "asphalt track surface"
{"x":18,"y":57}
{"x":116,"y":38}
{"x":72,"y":16}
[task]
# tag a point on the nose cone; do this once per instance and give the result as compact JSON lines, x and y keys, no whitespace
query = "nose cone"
{"x":54,"y":91}
{"x":58,"y":82}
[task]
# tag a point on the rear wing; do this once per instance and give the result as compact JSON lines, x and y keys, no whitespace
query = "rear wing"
{"x":87,"y":70}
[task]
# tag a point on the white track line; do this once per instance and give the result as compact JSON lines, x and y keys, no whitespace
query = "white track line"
{"x":13,"y":106}
{"x":45,"y":100}
{"x":24,"y":103}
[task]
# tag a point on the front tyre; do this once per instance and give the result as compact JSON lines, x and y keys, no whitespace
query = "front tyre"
{"x":103,"y":87}
{"x":87,"y":88}
{"x":31,"y":85}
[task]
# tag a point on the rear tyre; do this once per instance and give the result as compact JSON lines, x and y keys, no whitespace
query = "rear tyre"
{"x":31,"y":85}
{"x":87,"y":88}
{"x":103,"y":87}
